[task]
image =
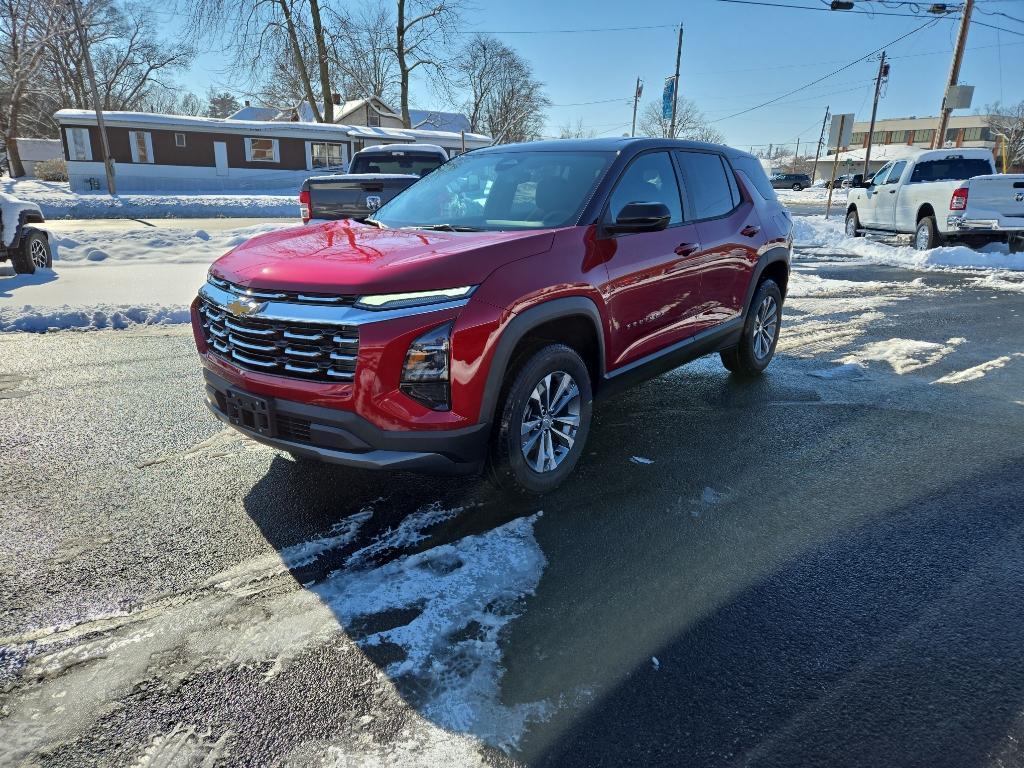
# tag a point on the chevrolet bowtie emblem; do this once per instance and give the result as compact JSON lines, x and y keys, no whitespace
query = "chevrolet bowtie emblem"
{"x":243,"y":307}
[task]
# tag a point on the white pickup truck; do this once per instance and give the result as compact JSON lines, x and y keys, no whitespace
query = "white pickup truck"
{"x":940,"y":196}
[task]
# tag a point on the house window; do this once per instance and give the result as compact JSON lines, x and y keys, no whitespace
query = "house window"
{"x":141,"y":145}
{"x":977,"y":133}
{"x":372,"y":117}
{"x":951,"y":134}
{"x":179,"y":139}
{"x":898,"y":137}
{"x":79,"y":146}
{"x":924,"y":135}
{"x":857,"y":138}
{"x":327,"y":155}
{"x":261,"y":150}
{"x":878,"y":137}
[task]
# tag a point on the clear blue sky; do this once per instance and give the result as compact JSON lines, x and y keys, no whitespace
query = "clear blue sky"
{"x":736,"y":56}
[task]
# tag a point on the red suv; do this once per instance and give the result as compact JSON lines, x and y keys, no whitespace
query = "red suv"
{"x":470,"y":324}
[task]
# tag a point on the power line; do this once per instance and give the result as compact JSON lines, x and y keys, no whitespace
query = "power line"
{"x":561,"y":31}
{"x":830,"y":74}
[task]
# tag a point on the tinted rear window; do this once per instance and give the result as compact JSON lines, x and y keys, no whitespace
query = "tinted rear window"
{"x":415,"y":163}
{"x":752,"y":168}
{"x":707,"y":186}
{"x":950,"y":169}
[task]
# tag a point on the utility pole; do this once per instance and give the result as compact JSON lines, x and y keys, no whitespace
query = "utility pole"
{"x":882,"y":72}
{"x":954,"y":72}
{"x":636,"y":100}
{"x":675,"y":89}
{"x":796,"y":155}
{"x":821,"y":141}
{"x":83,"y":41}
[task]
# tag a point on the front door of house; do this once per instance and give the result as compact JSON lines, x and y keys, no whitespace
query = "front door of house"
{"x":220,"y":157}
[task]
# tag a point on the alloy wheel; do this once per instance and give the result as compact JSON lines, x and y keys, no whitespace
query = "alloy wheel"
{"x":766,"y":323}
{"x":38,"y":253}
{"x":851,"y":227}
{"x":923,"y":236}
{"x":551,"y":420}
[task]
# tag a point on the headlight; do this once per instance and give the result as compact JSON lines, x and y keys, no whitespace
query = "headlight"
{"x":426,"y":374}
{"x":402,"y":300}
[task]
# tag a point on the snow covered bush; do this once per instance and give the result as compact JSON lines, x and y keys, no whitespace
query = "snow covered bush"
{"x":52,"y":170}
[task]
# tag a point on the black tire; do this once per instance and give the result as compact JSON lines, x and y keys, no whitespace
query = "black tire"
{"x":507,"y":465}
{"x":753,"y":354}
{"x":33,"y":253}
{"x":853,"y":222}
{"x":1016,"y":244}
{"x":797,"y":187}
{"x":926,"y":236}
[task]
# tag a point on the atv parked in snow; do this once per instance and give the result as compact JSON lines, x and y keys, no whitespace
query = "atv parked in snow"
{"x":27,"y":247}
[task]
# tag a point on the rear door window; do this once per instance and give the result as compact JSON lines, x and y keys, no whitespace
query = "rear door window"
{"x":755,"y":172}
{"x":951,"y":169}
{"x":708,"y":184}
{"x":650,"y":178}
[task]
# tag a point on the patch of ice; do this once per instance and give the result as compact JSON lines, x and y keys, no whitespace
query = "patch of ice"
{"x":408,"y":533}
{"x":641,"y":460}
{"x":903,"y":355}
{"x":655,"y":663}
{"x":977,"y":371}
{"x":846,"y":371}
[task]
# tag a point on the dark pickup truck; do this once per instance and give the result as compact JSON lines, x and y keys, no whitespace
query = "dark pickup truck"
{"x":375,"y":175}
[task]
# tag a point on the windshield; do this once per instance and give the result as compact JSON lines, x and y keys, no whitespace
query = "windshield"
{"x":951,"y":169}
{"x":501,"y":190}
{"x":416,"y":164}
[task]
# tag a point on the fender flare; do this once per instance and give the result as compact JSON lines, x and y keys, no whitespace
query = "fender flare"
{"x":771,"y":256}
{"x":24,"y":219}
{"x":520,"y":325}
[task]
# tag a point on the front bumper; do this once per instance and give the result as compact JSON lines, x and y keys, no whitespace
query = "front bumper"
{"x":345,"y":438}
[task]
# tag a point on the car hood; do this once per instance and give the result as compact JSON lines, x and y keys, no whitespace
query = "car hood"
{"x":346,"y":257}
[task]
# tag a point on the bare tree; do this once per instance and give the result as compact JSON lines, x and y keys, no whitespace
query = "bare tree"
{"x":690,"y":123}
{"x":26,"y":30}
{"x":363,"y":53}
{"x":1007,"y":123}
{"x":478,"y":67}
{"x":422,"y":30}
{"x":575,"y":131}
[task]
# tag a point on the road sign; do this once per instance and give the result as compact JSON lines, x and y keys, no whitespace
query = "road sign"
{"x":668,"y":97}
{"x":959,"y":97}
{"x":841,"y":131}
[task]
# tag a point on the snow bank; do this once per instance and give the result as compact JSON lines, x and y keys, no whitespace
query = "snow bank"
{"x":816,"y":232}
{"x":10,"y":213}
{"x":57,"y":201}
{"x":114,"y":279}
{"x":811,"y":196}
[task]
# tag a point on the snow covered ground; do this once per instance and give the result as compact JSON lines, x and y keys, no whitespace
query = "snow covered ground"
{"x":105,"y":279}
{"x":109,"y":277}
{"x":811,"y":196}
{"x":57,"y":201}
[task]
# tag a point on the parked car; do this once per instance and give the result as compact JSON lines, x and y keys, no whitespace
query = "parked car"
{"x":845,"y":181}
{"x":25,"y":246}
{"x":375,"y":175}
{"x":470,"y":323}
{"x":940,"y":196}
{"x":794,"y":181}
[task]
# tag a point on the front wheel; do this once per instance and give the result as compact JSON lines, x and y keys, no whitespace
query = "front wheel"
{"x":760,"y":333}
{"x":544,"y":419}
{"x":853,"y":224}
{"x":927,"y":236}
{"x":32,"y":254}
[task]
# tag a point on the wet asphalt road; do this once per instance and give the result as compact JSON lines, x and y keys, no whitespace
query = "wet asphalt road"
{"x":822,"y":567}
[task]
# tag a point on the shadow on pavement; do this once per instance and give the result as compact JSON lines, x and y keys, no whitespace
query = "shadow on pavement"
{"x":11,"y":282}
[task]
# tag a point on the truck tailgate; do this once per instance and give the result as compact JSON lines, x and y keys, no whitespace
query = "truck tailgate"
{"x":353,"y":196}
{"x":997,"y":195}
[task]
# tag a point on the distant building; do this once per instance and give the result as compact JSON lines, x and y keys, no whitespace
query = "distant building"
{"x":257,"y":148}
{"x":892,"y":137}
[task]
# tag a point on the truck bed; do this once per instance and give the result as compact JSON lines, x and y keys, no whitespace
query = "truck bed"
{"x":353,"y":196}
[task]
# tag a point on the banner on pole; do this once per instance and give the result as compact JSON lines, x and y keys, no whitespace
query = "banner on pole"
{"x":668,"y":97}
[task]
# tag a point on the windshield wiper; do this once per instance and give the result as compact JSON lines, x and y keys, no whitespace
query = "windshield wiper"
{"x":448,"y":228}
{"x":374,"y":223}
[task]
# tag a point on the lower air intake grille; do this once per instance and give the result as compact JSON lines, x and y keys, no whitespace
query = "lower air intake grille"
{"x":292,"y":428}
{"x":302,"y":351}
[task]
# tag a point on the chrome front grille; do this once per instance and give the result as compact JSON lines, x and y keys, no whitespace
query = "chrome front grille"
{"x":292,"y":297}
{"x":284,"y":348}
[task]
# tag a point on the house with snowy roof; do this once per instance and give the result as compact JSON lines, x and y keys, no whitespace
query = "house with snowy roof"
{"x":256,"y":149}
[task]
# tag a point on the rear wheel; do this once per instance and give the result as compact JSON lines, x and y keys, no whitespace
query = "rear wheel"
{"x":33,"y":253}
{"x":760,"y":333}
{"x":544,"y":419}
{"x":926,"y":236}
{"x":797,"y":187}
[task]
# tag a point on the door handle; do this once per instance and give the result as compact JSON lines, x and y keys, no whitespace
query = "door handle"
{"x":892,"y":191}
{"x":686,"y":249}
{"x":750,"y":230}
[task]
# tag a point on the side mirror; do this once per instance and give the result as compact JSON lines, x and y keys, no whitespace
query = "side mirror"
{"x":641,"y":217}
